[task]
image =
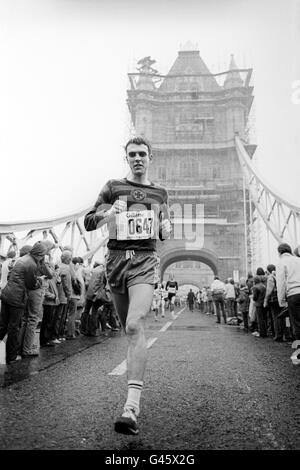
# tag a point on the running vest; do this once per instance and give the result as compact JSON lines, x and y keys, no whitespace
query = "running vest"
{"x":137,"y":228}
{"x":172,"y":287}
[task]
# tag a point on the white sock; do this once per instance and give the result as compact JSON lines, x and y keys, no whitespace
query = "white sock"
{"x":134,"y":395}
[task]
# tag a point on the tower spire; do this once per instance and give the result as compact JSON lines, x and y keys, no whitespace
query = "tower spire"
{"x":233,"y":78}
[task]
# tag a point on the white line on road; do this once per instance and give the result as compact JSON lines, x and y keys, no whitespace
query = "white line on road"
{"x":166,"y":326}
{"x":121,"y":368}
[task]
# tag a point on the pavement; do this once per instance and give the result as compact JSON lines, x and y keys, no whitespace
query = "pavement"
{"x":207,"y":386}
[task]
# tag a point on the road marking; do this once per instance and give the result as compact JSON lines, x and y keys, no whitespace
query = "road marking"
{"x":150,"y":342}
{"x":121,"y":368}
{"x":166,"y":326}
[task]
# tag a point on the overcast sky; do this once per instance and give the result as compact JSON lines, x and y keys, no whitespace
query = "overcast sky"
{"x":63,"y":82}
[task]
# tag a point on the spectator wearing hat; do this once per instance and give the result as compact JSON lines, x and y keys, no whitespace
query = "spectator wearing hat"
{"x":23,"y":278}
{"x":288,"y":285}
{"x":25,"y":250}
{"x":34,"y":309}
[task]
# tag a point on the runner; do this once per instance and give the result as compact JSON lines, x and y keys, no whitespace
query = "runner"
{"x":171,"y":288}
{"x":157,"y":300}
{"x":137,"y":214}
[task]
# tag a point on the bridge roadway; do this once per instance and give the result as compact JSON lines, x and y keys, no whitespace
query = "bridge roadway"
{"x":207,"y":386}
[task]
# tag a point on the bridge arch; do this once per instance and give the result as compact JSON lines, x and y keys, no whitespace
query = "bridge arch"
{"x":189,"y":281}
{"x":173,"y":256}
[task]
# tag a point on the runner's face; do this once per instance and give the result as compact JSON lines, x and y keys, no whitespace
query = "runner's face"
{"x":138,"y":159}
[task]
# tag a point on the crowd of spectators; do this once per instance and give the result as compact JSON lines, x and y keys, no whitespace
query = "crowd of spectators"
{"x":63,"y":297}
{"x":67,"y":298}
{"x":266,"y":304}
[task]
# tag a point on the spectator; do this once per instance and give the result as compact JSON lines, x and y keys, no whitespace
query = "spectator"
{"x":25,"y":250}
{"x":74,"y":299}
{"x":230,"y":297}
{"x":7,"y":266}
{"x":244,"y":301}
{"x":218,"y":292}
{"x":64,"y":295}
{"x":35,"y":297}
{"x":81,"y":301}
{"x":209,"y":301}
{"x":252,"y":310}
{"x":259,"y":291}
{"x":95,"y":298}
{"x":50,"y":303}
{"x":23,"y":277}
{"x":191,"y":299}
{"x":288,"y":285}
{"x":271,"y":301}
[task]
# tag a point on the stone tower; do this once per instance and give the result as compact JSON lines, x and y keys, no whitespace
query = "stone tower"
{"x":191,"y":116}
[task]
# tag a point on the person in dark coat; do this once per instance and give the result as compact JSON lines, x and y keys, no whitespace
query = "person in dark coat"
{"x":259,"y":291}
{"x":23,"y":277}
{"x":34,"y":309}
{"x":94,"y":300}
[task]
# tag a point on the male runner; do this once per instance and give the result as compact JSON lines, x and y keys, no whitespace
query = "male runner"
{"x":171,"y":288}
{"x":137,"y":214}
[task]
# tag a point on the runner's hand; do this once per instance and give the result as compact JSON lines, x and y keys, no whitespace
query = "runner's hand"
{"x":118,"y":206}
{"x":166,"y":228}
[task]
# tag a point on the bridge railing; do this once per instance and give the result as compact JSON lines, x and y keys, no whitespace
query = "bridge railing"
{"x":280,"y":216}
{"x":64,"y":230}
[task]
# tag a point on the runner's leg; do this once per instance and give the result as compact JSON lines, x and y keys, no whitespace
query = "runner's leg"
{"x":140,"y":298}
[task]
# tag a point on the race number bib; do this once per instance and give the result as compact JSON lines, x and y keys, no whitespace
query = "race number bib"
{"x":135,"y":225}
{"x":172,"y":290}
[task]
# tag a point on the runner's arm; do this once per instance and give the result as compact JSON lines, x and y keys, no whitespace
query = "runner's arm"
{"x":99,"y":214}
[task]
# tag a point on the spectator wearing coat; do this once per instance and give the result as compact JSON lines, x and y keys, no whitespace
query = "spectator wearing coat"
{"x":50,"y":303}
{"x":259,"y":291}
{"x":218,"y":292}
{"x":271,"y":302}
{"x":23,"y":277}
{"x":74,"y":299}
{"x":288,"y":285}
{"x":64,"y":295}
{"x":243,"y":300}
{"x":34,"y":308}
{"x":95,"y":298}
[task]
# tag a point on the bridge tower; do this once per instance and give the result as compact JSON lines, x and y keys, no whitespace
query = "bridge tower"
{"x":191,"y":117}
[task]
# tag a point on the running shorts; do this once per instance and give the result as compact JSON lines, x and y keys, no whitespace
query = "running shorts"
{"x":125,"y":268}
{"x":171,"y":296}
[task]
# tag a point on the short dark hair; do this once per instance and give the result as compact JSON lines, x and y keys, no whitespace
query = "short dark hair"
{"x":139,"y":140}
{"x":271,"y":268}
{"x":217,"y":277}
{"x":260,"y":272}
{"x":257,"y":279}
{"x":284,"y":248}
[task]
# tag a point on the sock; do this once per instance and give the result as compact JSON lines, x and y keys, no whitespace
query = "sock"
{"x":134,"y":395}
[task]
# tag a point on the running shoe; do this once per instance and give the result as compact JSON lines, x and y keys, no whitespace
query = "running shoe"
{"x":127,"y":423}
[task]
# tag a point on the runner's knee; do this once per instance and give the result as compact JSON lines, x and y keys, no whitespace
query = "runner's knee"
{"x":133,"y":327}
